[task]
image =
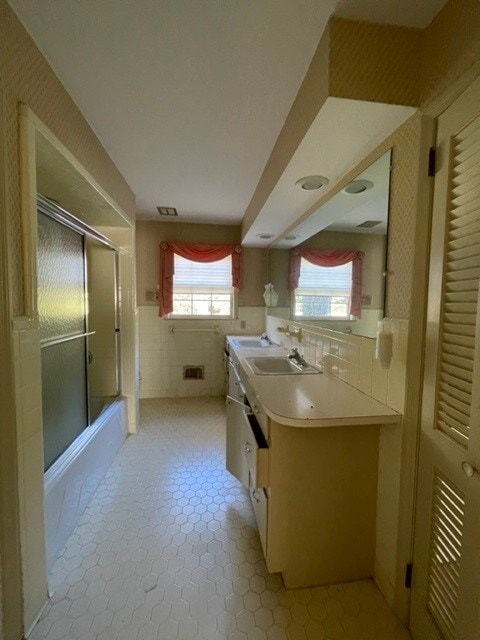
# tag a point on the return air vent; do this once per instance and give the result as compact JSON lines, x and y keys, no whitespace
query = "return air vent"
{"x":194,"y":373}
{"x":167,"y":211}
{"x":369,"y":223}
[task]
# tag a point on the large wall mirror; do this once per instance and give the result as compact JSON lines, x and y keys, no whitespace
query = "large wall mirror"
{"x":336,"y":278}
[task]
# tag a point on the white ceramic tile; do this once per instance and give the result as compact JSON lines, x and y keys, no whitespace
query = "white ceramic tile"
{"x":168,"y":549}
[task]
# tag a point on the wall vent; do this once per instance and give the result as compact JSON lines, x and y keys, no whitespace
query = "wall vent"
{"x":167,"y":211}
{"x":369,"y":223}
{"x":193,"y":372}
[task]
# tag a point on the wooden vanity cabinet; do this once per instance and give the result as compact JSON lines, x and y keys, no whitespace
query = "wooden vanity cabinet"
{"x":322,"y":503}
{"x":313,"y":491}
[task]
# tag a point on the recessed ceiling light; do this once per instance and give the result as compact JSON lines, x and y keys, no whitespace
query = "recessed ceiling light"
{"x":167,"y":211}
{"x":312,"y":183}
{"x":290,"y":237}
{"x":357,"y":186}
{"x":265,"y":236}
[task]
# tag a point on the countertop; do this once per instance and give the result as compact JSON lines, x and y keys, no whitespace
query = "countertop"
{"x":309,"y":400}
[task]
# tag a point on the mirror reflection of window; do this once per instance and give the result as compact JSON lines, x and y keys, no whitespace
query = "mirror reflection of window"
{"x":355,"y":218}
{"x":323,"y":292}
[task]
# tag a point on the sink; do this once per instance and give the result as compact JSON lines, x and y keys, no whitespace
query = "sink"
{"x":251,"y":342}
{"x":278,"y":366}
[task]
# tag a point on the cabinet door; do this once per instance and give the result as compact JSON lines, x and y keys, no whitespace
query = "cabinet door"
{"x":236,"y":462}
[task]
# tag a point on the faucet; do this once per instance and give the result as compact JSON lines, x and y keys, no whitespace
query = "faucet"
{"x":265,"y":337}
{"x":297,"y":358}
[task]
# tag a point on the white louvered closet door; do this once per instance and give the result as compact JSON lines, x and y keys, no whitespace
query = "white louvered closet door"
{"x":446,"y":569}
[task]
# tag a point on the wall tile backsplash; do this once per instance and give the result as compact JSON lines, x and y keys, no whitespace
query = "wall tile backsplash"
{"x":163,"y":354}
{"x":349,"y":357}
{"x":352,"y":358}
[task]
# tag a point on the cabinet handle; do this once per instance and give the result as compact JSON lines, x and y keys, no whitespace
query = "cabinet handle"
{"x":254,"y":496}
{"x":246,"y":408}
{"x":248,"y":447}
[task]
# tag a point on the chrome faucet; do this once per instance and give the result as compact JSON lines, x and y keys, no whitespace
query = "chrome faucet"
{"x":297,"y":358}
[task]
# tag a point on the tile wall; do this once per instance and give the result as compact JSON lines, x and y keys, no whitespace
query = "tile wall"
{"x":163,"y":354}
{"x":26,"y":350}
{"x":352,"y":358}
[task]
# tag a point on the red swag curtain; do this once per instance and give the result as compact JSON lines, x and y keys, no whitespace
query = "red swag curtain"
{"x":334,"y":258}
{"x":197,"y":253}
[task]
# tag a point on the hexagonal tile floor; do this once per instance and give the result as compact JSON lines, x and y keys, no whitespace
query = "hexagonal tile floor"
{"x":168,"y":549}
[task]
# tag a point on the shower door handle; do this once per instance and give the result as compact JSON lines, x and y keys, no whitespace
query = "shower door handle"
{"x":90,"y":357}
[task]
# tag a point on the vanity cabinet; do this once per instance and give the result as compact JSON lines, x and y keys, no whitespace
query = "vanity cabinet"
{"x":236,"y":461}
{"x":313,"y":489}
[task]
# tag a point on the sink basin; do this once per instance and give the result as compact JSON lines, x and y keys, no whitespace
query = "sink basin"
{"x":278,"y":366}
{"x":251,"y":342}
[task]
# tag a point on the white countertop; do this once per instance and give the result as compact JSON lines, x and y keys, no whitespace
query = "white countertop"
{"x":309,"y":400}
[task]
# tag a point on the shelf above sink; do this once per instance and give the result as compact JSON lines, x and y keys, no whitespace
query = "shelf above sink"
{"x":265,"y":366}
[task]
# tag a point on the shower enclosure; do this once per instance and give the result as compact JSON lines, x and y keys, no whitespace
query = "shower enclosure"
{"x":79,"y":326}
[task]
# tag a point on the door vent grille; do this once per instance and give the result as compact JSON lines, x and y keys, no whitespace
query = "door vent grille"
{"x":458,"y":323}
{"x":191,"y":372}
{"x":445,"y":554}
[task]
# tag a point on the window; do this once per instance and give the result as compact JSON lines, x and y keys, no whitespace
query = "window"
{"x":202,"y":289}
{"x":323,"y":292}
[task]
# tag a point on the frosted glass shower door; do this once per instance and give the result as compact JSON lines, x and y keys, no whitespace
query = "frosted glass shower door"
{"x":103,"y":323}
{"x":62,"y":312}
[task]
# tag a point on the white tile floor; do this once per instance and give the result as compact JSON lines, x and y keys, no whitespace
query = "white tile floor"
{"x":168,"y":550}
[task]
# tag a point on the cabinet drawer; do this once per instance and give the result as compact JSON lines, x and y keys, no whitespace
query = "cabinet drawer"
{"x":260,"y":414}
{"x":256,"y":452}
{"x":260,"y":508}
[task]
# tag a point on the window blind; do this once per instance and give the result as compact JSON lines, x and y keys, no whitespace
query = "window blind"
{"x":328,"y":281}
{"x":199,"y":277}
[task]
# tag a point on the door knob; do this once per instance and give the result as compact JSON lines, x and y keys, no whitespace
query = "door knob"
{"x":468,"y":469}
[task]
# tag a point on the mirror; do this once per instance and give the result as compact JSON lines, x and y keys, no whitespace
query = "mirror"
{"x":354,"y":220}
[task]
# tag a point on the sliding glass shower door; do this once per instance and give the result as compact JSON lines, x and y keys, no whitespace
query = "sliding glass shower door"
{"x":79,"y":326}
{"x":62,"y":315}
{"x":103,"y":323}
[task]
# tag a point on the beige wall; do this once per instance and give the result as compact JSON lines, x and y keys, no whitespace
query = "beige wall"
{"x":450,"y":48}
{"x":25,"y":77}
{"x":149,"y":235}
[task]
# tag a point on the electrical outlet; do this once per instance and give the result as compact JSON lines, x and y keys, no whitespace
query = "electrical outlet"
{"x":243,"y":324}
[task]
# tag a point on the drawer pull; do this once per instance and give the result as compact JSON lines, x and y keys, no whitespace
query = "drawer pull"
{"x":246,"y":408}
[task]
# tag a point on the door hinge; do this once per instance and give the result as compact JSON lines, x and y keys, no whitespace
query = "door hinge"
{"x":408,"y":575}
{"x":432,"y":161}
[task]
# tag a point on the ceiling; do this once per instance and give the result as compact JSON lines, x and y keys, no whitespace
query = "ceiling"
{"x":189,"y":97}
{"x":343,"y":212}
{"x":342,"y":134}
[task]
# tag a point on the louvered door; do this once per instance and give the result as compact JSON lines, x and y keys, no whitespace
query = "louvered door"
{"x":446,"y":578}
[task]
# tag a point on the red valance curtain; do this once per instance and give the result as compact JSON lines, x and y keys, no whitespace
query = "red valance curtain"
{"x":197,"y":253}
{"x":330,"y":258}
